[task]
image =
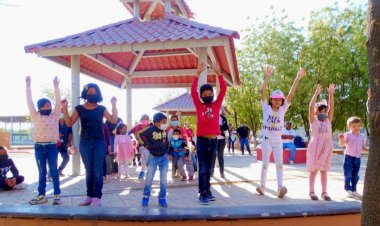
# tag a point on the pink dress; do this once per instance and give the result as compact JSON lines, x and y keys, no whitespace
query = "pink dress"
{"x":123,"y":147}
{"x":320,"y":147}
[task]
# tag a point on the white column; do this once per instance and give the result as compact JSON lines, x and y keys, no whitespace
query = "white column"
{"x":167,"y":6}
{"x":136,"y":9}
{"x":202,"y":58}
{"x":75,"y":70}
{"x":129,"y":102}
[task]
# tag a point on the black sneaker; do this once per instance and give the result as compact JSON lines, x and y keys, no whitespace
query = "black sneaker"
{"x":210,"y":197}
{"x":203,"y":199}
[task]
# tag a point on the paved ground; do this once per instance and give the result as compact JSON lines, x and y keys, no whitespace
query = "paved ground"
{"x":238,"y":189}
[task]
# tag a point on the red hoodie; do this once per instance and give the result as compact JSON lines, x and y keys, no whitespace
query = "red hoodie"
{"x":208,"y":115}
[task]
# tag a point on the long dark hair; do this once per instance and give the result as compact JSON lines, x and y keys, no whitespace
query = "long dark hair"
{"x":119,"y":128}
{"x":87,"y":87}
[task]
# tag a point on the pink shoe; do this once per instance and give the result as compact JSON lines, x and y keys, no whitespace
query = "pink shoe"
{"x":96,"y":202}
{"x":86,"y":202}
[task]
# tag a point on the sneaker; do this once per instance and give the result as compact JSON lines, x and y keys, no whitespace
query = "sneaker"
{"x":350,"y":194}
{"x":96,"y":202}
{"x":191,"y":177}
{"x":325,"y":196}
{"x":222,"y":175}
{"x":203,"y":199}
{"x":141,"y":175}
{"x":260,"y":190}
{"x":162,"y":202}
{"x":282,"y":192}
{"x":145,"y":201}
{"x":211,"y":197}
{"x":291,"y":162}
{"x":250,"y":153}
{"x":49,"y":179}
{"x":57,"y":200}
{"x":86,"y":202}
{"x":357,"y":195}
{"x":38,"y":200}
{"x":184,"y":178}
{"x":20,"y":186}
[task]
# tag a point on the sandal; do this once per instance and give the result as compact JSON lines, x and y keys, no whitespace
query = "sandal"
{"x":325,"y":196}
{"x":313,"y":196}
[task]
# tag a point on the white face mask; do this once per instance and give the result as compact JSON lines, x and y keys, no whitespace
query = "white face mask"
{"x":61,"y":116}
{"x":163,"y":127}
{"x":175,"y":137}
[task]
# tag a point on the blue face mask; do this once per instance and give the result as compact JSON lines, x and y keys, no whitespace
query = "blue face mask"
{"x":174,"y":123}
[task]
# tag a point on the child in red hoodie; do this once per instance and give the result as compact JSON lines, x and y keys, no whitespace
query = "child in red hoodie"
{"x":207,"y":128}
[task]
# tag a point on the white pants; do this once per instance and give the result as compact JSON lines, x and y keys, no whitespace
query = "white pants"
{"x":268,"y":145}
{"x":144,"y":157}
{"x":122,"y":166}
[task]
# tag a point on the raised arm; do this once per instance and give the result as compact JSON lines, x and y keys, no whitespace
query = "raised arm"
{"x":112,"y":118}
{"x":57,"y":96}
{"x":313,"y":101}
{"x":222,"y":84}
{"x":70,"y":121}
{"x":341,"y":140}
{"x":331,"y":91}
{"x":194,"y":85}
{"x":268,"y":75}
{"x":300,"y":75}
{"x":31,"y":107}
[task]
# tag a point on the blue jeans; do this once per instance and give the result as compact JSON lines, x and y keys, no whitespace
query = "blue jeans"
{"x":351,"y":169}
{"x":292,"y":149}
{"x":206,"y":150}
{"x":162,"y":163}
{"x":112,"y":142}
{"x":42,"y":153}
{"x":65,"y":159}
{"x":93,"y":152}
{"x":244,"y":142}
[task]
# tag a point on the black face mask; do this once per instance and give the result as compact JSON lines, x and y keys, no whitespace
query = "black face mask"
{"x":45,"y":111}
{"x":208,"y":99}
{"x":92,"y":98}
{"x":321,"y":116}
{"x":3,"y":159}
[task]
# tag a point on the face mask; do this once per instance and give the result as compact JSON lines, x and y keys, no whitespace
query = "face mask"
{"x":123,"y":132}
{"x":175,"y":137}
{"x":45,"y":111}
{"x":92,"y":98}
{"x":174,"y":123}
{"x":145,"y":122}
{"x":61,"y":116}
{"x":208,"y":99}
{"x":321,"y":116}
{"x":163,"y":127}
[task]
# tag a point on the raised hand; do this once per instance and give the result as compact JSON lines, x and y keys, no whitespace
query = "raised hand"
{"x":201,"y":67}
{"x":331,"y":89}
{"x":216,"y":67}
{"x":301,"y":73}
{"x":28,"y":81}
{"x":318,"y":90}
{"x":56,"y":81}
{"x":64,"y":103}
{"x":341,"y":136}
{"x":113,"y":100}
{"x":268,"y":71}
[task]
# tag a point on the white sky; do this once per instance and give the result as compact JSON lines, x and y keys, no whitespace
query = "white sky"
{"x":35,"y":21}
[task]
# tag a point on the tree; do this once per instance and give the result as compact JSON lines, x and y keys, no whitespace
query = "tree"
{"x":371,"y":199}
{"x":48,"y":93}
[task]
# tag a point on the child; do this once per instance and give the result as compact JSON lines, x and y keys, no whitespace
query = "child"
{"x":231,"y":140}
{"x":45,"y":136}
{"x":123,"y":150}
{"x":178,"y":147}
{"x":6,"y":165}
{"x":155,"y":140}
{"x":174,"y":124}
{"x":207,"y":128}
{"x":273,"y":125}
{"x":320,"y":147}
{"x":144,"y":153}
{"x":92,"y":146}
{"x":355,"y":144}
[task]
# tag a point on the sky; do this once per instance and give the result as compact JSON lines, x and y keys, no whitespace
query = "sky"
{"x":25,"y":22}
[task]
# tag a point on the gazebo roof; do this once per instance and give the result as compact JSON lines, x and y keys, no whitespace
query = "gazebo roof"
{"x":182,"y":103}
{"x":156,"y":53}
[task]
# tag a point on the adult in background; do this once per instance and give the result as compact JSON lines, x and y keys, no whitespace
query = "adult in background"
{"x":231,"y":138}
{"x":288,"y":141}
{"x":243,"y":133}
{"x":220,"y":145}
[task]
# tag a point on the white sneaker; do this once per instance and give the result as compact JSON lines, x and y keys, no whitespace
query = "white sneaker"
{"x":20,"y":186}
{"x":291,"y":162}
{"x":350,"y":194}
{"x":357,"y":195}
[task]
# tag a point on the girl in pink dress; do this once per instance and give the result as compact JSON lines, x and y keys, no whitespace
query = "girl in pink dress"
{"x":320,"y":148}
{"x":123,"y":148}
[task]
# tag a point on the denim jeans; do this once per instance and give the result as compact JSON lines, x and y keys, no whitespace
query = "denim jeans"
{"x":231,"y":144}
{"x":42,"y":154}
{"x":351,"y":169}
{"x":174,"y":165}
{"x":93,"y":152}
{"x":206,"y":149}
{"x":244,"y":142}
{"x":162,"y":163}
{"x":292,"y":149}
{"x":65,"y":159}
{"x":220,"y":145}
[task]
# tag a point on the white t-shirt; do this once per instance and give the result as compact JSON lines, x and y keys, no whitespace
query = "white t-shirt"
{"x":289,"y":133}
{"x":273,"y":122}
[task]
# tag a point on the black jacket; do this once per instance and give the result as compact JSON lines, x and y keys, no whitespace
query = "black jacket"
{"x":7,"y":166}
{"x":155,"y":140}
{"x":224,"y":126}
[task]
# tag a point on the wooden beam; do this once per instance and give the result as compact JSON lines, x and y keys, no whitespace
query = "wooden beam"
{"x":182,"y":8}
{"x":227,"y":49}
{"x":136,"y":9}
{"x":107,"y":63}
{"x":163,"y":54}
{"x":211,"y":54}
{"x":135,"y":62}
{"x":174,"y":85}
{"x":161,"y":73}
{"x":152,"y":6}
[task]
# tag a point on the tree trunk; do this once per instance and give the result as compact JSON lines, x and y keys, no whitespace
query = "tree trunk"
{"x":371,"y":199}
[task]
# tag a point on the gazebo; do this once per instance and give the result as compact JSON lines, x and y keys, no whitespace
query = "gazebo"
{"x":159,"y":47}
{"x":181,"y":105}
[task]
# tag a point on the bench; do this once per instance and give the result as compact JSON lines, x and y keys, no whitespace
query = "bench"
{"x":300,"y":155}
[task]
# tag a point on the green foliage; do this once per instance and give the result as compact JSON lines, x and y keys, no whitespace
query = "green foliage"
{"x":332,"y":51}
